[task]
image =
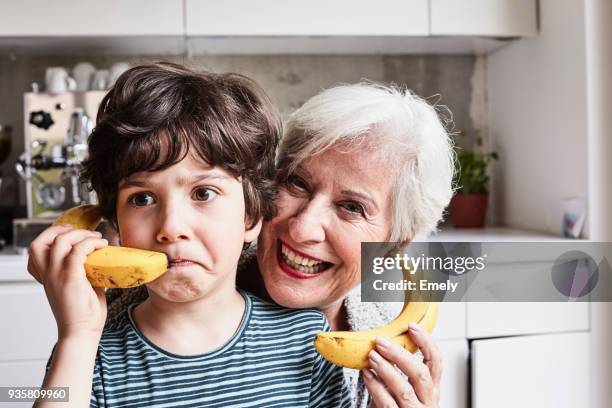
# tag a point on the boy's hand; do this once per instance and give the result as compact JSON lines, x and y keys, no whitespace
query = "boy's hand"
{"x":57,"y":259}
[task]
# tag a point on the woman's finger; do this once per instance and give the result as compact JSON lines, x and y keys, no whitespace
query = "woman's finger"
{"x":396,"y":383}
{"x":380,"y":396}
{"x":429,"y":349}
{"x":417,"y":372}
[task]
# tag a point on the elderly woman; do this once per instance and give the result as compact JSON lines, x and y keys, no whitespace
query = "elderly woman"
{"x":357,"y":163}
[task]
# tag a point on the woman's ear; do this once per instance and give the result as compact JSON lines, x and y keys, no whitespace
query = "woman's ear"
{"x":252,"y":232}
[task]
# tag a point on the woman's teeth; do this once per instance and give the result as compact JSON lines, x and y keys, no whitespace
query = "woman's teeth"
{"x":302,"y":264}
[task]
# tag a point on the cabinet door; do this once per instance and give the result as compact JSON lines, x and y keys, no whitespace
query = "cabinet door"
{"x":488,"y":319}
{"x":451,"y":321}
{"x":27,"y":324}
{"x":503,"y":18}
{"x":531,"y":371}
{"x":91,"y":17}
{"x":315,"y":17}
{"x":454,"y":385}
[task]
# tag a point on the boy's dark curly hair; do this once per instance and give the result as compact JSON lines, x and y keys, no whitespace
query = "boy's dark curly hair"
{"x":156,"y":114}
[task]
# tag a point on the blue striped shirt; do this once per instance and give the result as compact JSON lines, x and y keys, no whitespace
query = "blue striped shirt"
{"x":269,"y":362}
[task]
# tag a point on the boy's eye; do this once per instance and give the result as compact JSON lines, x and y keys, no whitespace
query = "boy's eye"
{"x":203,"y":194}
{"x":296,"y":182}
{"x":141,"y":199}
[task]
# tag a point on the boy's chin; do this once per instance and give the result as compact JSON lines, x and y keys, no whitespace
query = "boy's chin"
{"x":178,"y":293}
{"x":174,"y":289}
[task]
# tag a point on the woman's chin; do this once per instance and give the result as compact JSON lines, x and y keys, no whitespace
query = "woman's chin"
{"x":292,"y":293}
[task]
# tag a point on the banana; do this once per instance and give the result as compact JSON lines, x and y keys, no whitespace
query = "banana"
{"x":85,"y":216}
{"x":114,"y":267}
{"x":121,"y":267}
{"x":351,"y":349}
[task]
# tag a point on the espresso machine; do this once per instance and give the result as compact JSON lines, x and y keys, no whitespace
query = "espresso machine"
{"x":56,"y":128}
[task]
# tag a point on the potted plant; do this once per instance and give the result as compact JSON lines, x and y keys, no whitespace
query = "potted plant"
{"x":468,"y":206}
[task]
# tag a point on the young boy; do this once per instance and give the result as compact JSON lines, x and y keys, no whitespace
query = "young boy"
{"x":183,"y":163}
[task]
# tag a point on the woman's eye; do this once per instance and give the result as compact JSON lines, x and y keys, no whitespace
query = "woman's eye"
{"x":203,"y":194}
{"x":294,"y":181}
{"x":353,"y":207}
{"x":141,"y":199}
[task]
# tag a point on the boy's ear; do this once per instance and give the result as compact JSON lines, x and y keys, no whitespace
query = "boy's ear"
{"x":252,"y":233}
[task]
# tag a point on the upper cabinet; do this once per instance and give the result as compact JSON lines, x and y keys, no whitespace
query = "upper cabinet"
{"x":35,"y":18}
{"x":307,"y":18}
{"x":495,"y":18}
{"x":264,"y":26}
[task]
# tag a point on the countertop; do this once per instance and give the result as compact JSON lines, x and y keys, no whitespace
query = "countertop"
{"x":13,"y":263}
{"x":492,"y":234}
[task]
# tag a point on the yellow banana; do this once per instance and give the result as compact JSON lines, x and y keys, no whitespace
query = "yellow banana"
{"x":351,"y":349}
{"x":114,"y":267}
{"x":85,"y":216}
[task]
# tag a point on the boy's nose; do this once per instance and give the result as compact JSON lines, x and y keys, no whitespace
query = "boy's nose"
{"x":172,"y":227}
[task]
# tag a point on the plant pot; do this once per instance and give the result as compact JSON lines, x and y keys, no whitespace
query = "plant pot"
{"x":469,"y":210}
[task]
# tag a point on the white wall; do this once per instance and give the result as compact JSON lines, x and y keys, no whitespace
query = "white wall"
{"x":550,"y":107}
{"x":599,"y":68}
{"x":538,"y":116}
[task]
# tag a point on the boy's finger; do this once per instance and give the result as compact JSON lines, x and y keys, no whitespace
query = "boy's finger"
{"x":38,"y":259}
{"x":78,"y":254}
{"x":47,"y":237}
{"x":33,"y":269}
{"x":62,"y":245}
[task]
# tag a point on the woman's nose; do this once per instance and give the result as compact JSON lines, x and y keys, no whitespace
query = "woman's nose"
{"x":172,"y":226}
{"x":308,"y":224}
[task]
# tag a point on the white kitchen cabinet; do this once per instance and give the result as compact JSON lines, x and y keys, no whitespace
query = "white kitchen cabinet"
{"x":454,"y":384}
{"x":26,"y":322}
{"x":499,"y":18}
{"x":308,"y":18}
{"x":547,"y":371}
{"x":497,"y":317}
{"x":34,"y":18}
{"x":451,"y":321}
{"x":492,"y":319}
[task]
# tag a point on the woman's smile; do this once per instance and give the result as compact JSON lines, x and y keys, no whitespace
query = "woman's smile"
{"x":298,"y":264}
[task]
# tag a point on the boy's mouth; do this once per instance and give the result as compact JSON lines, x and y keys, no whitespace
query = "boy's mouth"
{"x":299,"y":265}
{"x":179,"y":262}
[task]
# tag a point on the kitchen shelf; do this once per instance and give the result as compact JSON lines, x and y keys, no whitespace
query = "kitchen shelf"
{"x":494,"y":234}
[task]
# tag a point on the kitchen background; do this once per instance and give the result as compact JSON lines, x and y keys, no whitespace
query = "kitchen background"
{"x":532,"y":77}
{"x":456,"y":81}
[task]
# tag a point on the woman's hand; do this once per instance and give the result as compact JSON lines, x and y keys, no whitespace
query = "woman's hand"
{"x":411,"y":383}
{"x":57,"y":259}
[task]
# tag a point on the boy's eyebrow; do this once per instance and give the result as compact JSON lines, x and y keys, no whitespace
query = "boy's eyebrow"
{"x":138,"y":182}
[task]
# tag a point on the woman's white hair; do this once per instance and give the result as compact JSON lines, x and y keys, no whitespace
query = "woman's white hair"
{"x":398,"y":126}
